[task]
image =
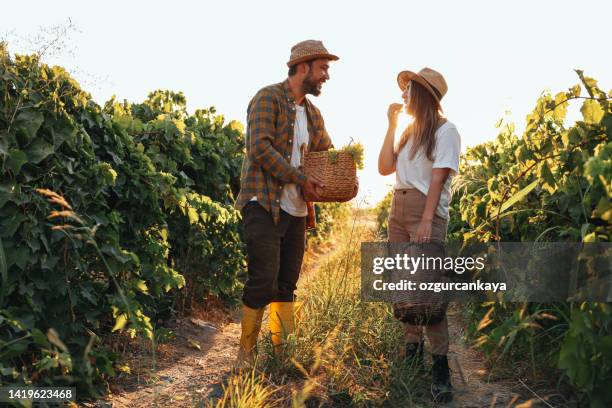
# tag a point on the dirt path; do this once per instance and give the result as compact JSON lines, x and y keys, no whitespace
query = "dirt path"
{"x":475,"y":386}
{"x":469,"y":376}
{"x":190,"y":369}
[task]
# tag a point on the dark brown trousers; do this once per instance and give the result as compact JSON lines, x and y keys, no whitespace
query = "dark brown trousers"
{"x":274,"y":255}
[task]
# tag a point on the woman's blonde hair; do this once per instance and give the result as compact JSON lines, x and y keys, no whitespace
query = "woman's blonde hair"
{"x":426,"y":111}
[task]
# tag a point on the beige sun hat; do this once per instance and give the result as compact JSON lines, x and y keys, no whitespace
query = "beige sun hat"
{"x":309,"y":50}
{"x":432,"y":80}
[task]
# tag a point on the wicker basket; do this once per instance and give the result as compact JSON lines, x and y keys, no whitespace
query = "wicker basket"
{"x":338,"y":175}
{"x":421,"y":308}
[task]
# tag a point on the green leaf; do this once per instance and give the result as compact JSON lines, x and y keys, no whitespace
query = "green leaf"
{"x":193,"y":215}
{"x":3,"y":275}
{"x":568,"y":354}
{"x":8,"y":371}
{"x":28,"y":122}
{"x":14,"y":349}
{"x":548,"y":177}
{"x":565,"y":138}
{"x":4,"y":149}
{"x":575,"y":90}
{"x":63,"y":131}
{"x":584,"y":229}
{"x":142,"y":286}
{"x":120,"y":322}
{"x":8,"y":192}
{"x":518,"y":196}
{"x":592,"y":111}
{"x":16,"y":159}
{"x":39,"y":150}
{"x":560,"y":107}
{"x":590,"y":83}
{"x":575,"y":135}
{"x":11,"y":225}
{"x":40,"y":338}
{"x":603,"y":210}
{"x":46,"y":363}
{"x":119,"y":254}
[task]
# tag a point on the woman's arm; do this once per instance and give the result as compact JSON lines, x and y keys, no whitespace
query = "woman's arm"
{"x":438,"y":178}
{"x":386,"y":158}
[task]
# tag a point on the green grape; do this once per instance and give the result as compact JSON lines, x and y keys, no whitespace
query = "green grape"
{"x":355,"y":150}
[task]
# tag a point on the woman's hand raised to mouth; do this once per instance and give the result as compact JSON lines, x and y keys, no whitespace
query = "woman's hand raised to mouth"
{"x":393,"y":112}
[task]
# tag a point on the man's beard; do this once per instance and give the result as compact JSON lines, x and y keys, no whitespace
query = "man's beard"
{"x":309,"y":86}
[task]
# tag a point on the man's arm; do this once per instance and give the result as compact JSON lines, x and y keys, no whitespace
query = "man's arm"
{"x":261,"y":120}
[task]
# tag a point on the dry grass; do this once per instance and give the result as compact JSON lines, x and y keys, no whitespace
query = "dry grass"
{"x":248,"y":390}
{"x":345,"y":352}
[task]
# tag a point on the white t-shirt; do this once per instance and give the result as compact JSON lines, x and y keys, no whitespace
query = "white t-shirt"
{"x":291,"y":199}
{"x":416,"y":173}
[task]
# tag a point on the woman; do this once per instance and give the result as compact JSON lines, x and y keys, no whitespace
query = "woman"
{"x":424,"y":161}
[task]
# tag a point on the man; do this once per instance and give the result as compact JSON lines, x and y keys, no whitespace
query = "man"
{"x":280,"y":122}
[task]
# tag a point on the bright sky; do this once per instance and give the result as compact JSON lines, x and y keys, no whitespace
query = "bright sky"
{"x":496,"y":56}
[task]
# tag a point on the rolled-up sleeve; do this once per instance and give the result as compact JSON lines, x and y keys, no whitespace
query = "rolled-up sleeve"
{"x":448,"y":149}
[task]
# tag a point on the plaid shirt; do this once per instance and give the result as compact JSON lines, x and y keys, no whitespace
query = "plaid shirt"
{"x":269,"y":143}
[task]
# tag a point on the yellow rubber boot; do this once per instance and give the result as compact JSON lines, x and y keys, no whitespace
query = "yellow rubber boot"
{"x":250,"y":324}
{"x":281,"y":322}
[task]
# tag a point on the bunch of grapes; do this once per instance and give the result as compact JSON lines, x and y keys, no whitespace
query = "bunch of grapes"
{"x":354,"y":149}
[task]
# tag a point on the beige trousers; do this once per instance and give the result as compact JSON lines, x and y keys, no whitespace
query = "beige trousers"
{"x":407,"y":208}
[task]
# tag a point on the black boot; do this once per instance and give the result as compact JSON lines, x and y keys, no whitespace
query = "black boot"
{"x":441,"y":388}
{"x":414,"y":355}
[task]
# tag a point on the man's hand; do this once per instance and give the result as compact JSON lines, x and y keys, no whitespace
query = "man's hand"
{"x":311,"y":188}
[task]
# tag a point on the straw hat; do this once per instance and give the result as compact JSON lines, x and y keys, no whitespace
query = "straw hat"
{"x":432,"y":80}
{"x":308,"y":50}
